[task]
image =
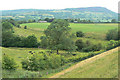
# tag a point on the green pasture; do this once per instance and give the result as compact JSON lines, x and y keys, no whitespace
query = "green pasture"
{"x":76,"y":27}
{"x":95,"y":31}
{"x":105,"y":67}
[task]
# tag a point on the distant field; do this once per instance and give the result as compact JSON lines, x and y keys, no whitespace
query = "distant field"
{"x":96,"y":31}
{"x":76,"y":27}
{"x":104,"y":65}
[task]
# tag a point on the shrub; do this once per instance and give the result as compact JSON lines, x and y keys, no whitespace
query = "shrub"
{"x":18,"y":26}
{"x":93,"y":47}
{"x":8,"y":63}
{"x":30,"y":41}
{"x":42,"y":61}
{"x":79,"y":34}
{"x":44,"y":42}
{"x":112,"y":44}
{"x":25,"y":27}
{"x":112,"y":34}
{"x":80,"y":44}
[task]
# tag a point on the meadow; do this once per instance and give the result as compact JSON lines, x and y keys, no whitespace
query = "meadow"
{"x":105,"y":67}
{"x":93,"y":32}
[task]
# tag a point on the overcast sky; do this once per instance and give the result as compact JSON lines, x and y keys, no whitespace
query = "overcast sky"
{"x":57,"y":4}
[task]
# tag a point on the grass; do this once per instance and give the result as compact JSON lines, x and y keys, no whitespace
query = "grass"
{"x":93,"y":32}
{"x":97,"y":31}
{"x":20,"y":53}
{"x":105,"y":67}
{"x":76,"y":27}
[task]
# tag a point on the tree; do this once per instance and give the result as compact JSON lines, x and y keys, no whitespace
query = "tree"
{"x":112,"y":34}
{"x":8,"y":63}
{"x":79,"y":34}
{"x":13,"y":22}
{"x":58,"y":35}
{"x":6,"y":26}
{"x":25,"y":27}
{"x":30,"y":41}
{"x":47,"y":19}
{"x":44,"y":42}
{"x":113,"y":20}
{"x":30,"y":21}
{"x":80,"y":44}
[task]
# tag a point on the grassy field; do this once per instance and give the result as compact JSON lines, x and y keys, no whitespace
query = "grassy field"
{"x":75,"y":27}
{"x":109,"y":61}
{"x":104,"y":65}
{"x":95,"y":31}
{"x":20,"y":53}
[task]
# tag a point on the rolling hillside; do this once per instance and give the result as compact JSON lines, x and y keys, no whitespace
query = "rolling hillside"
{"x":90,"y":13}
{"x":104,"y":65}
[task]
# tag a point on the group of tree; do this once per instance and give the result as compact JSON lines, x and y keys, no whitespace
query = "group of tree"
{"x":113,"y":34}
{"x":9,"y":39}
{"x":49,"y":20}
{"x":87,"y":46}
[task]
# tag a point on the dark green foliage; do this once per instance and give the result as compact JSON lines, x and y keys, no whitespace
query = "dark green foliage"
{"x":112,"y":44}
{"x":6,"y":26}
{"x":112,"y":34}
{"x":118,"y":33}
{"x":13,"y":22}
{"x":30,"y":41}
{"x":80,"y":44}
{"x":25,"y":27}
{"x":42,"y":61}
{"x":87,"y":46}
{"x":11,"y":40}
{"x":93,"y":47}
{"x":48,"y":20}
{"x":113,"y":21}
{"x":44,"y":42}
{"x":79,"y":34}
{"x":58,"y":35}
{"x":8,"y":63}
{"x":18,"y":26}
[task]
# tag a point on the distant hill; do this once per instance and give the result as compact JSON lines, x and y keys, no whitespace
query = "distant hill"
{"x":89,"y":13}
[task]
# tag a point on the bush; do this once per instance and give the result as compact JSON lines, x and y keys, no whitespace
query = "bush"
{"x":18,"y":26}
{"x":42,"y":61}
{"x":30,"y":41}
{"x":79,"y":34}
{"x":8,"y":63}
{"x":25,"y":27}
{"x":44,"y":42}
{"x":93,"y":47}
{"x":112,"y":34}
{"x":112,"y":44}
{"x":80,"y":44}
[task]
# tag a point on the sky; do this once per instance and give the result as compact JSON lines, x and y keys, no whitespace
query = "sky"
{"x":57,"y":4}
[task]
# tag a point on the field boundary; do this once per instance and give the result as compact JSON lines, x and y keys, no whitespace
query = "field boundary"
{"x":84,"y":62}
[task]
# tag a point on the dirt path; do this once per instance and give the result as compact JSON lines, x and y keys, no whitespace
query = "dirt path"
{"x":82,"y":63}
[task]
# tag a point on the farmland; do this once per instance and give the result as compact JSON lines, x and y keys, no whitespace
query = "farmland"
{"x":97,"y":31}
{"x":93,"y":32}
{"x":104,"y":65}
